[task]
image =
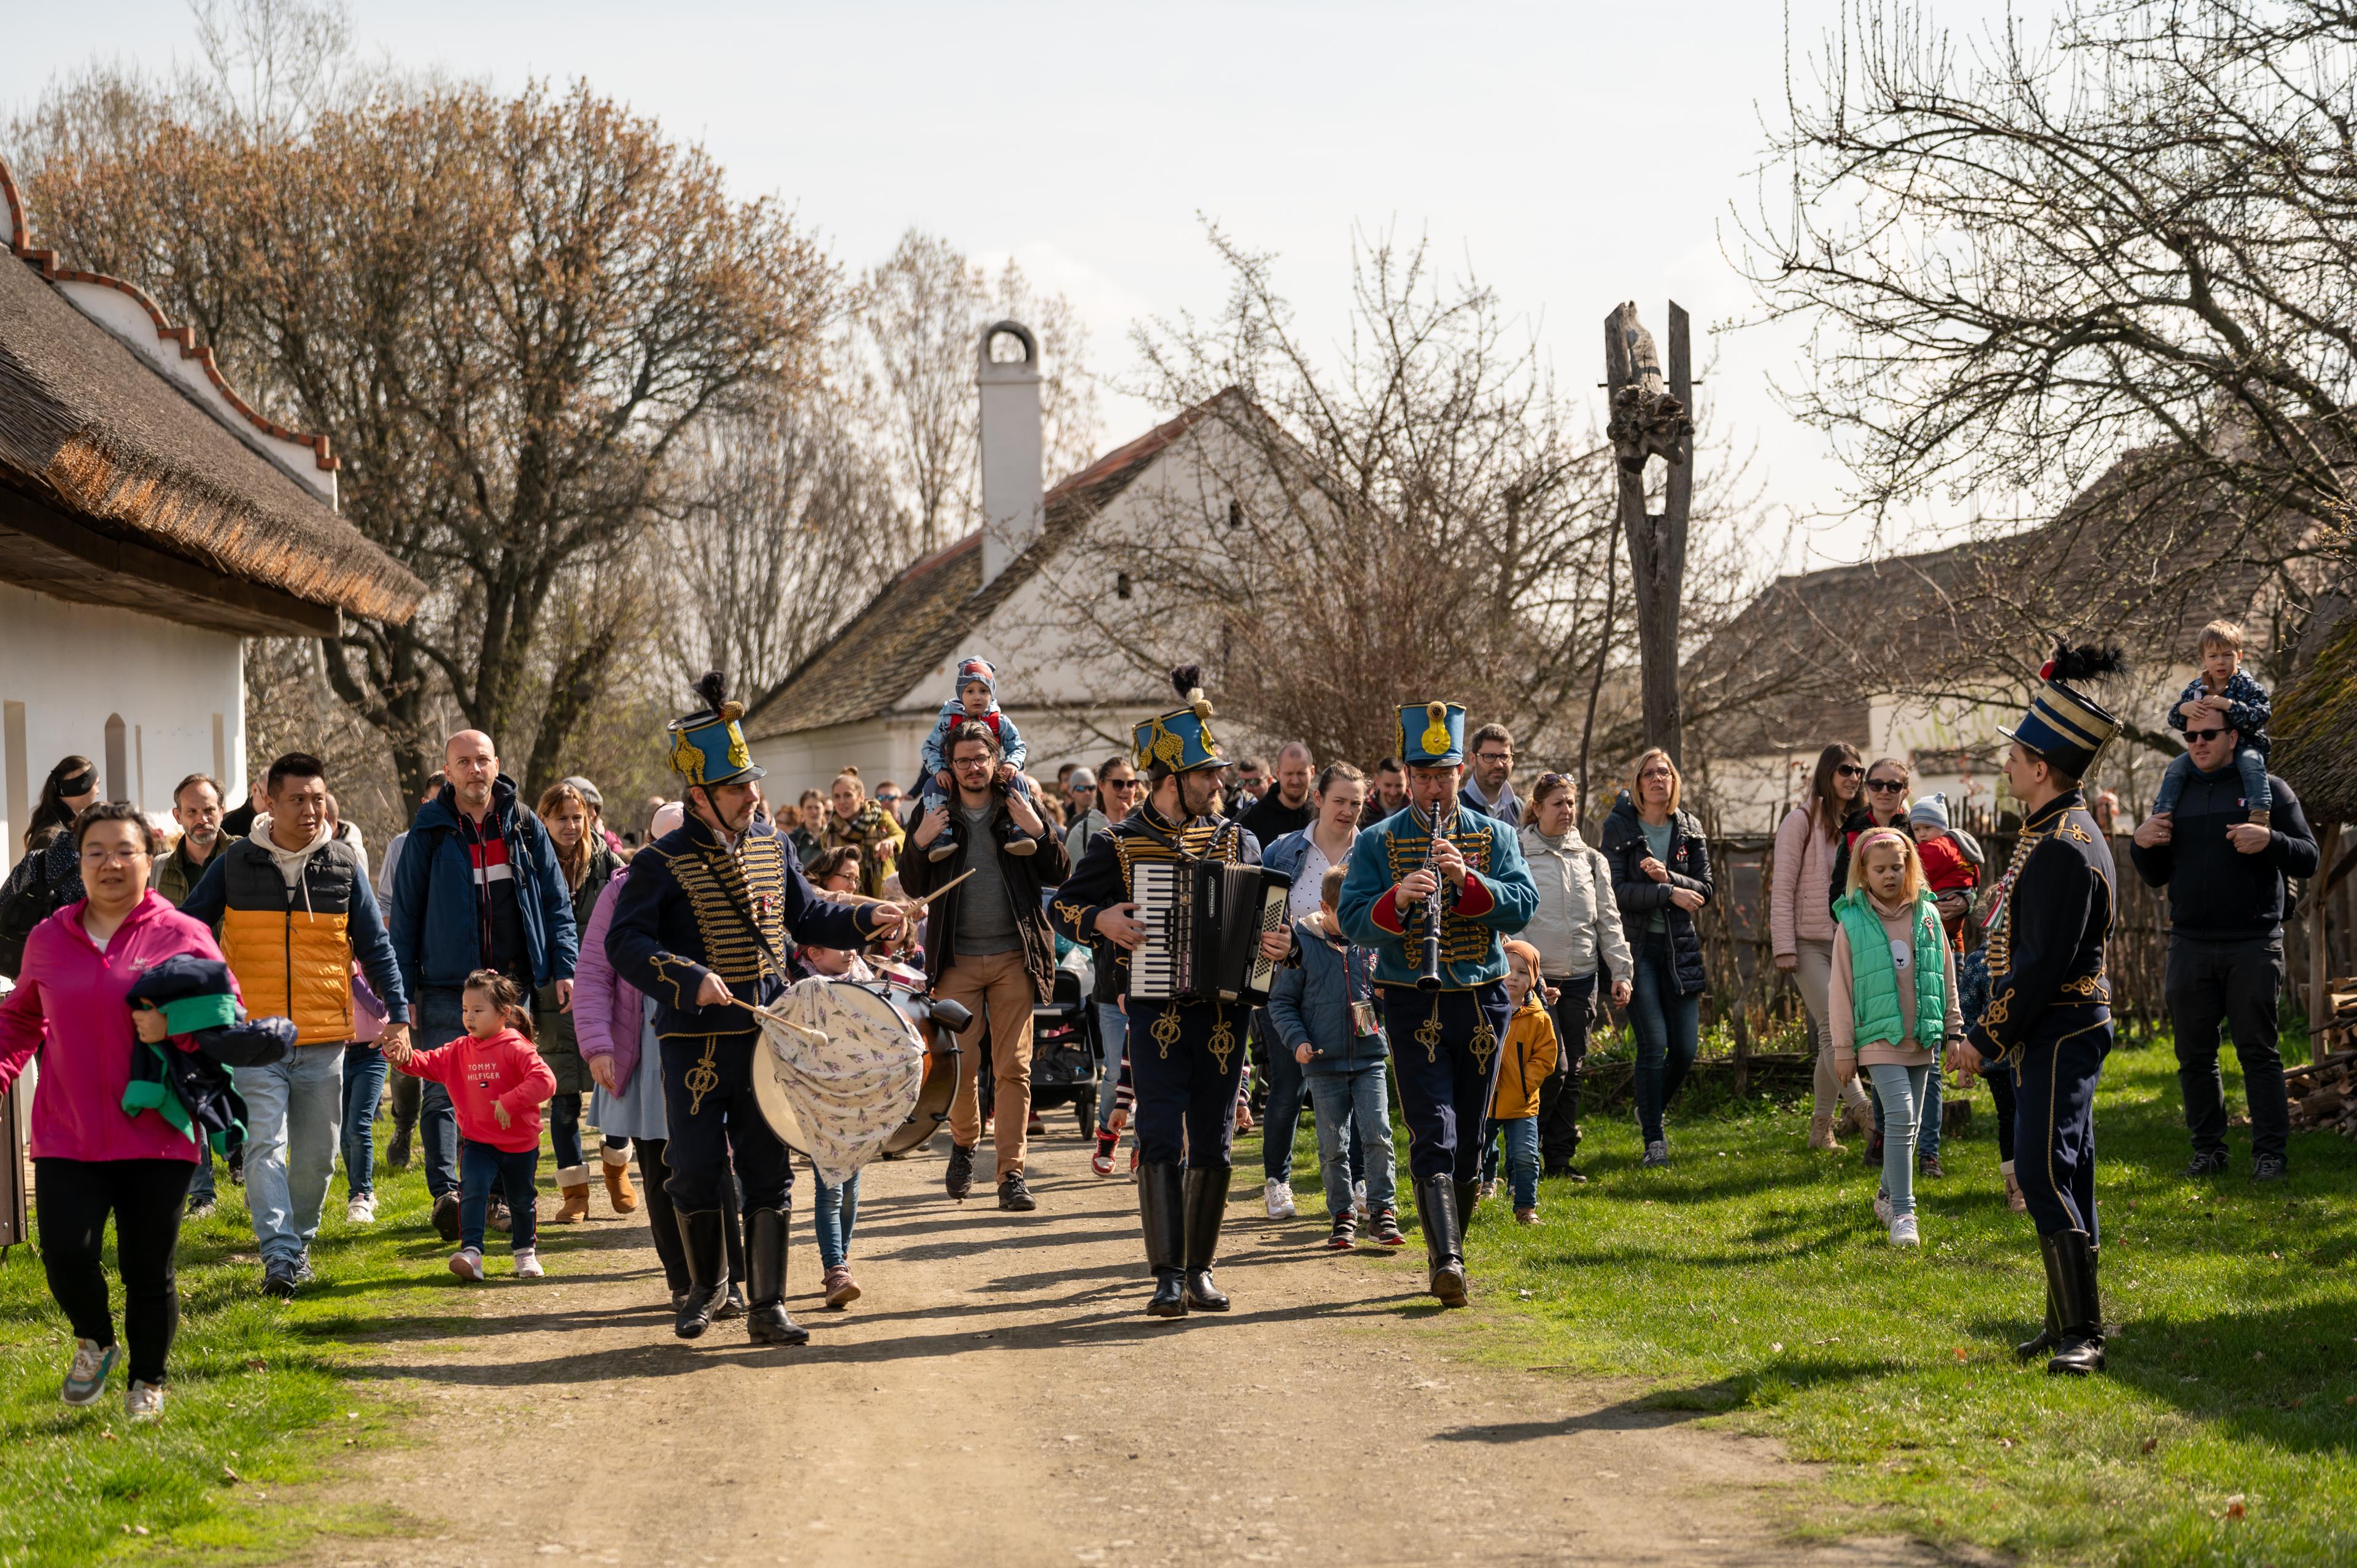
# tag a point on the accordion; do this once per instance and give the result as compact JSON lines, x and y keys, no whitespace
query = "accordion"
{"x":1203,"y":922}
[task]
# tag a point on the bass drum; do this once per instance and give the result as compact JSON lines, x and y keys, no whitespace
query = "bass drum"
{"x":877,"y":1007}
{"x":932,"y":1112}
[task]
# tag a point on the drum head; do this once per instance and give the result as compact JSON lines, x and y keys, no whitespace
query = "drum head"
{"x":846,"y":1000}
{"x":932,"y":1112}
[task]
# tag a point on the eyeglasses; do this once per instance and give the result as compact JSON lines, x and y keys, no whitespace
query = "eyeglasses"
{"x":1886,"y":786}
{"x":1493,"y":756}
{"x":1849,"y":771}
{"x":2203,"y":734}
{"x":95,"y":858}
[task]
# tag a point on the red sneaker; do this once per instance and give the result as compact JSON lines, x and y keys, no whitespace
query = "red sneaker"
{"x":1387,"y":1231}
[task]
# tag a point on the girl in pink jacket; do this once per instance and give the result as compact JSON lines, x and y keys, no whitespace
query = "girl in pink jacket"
{"x":498,"y":1083}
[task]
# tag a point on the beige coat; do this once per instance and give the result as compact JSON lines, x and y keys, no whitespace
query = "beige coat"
{"x":1804,"y":859}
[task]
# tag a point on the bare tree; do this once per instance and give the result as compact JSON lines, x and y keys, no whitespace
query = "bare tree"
{"x":2024,"y":260}
{"x":275,"y":64}
{"x":917,"y":315}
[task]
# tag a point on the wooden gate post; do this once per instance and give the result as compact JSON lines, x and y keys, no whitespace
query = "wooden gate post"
{"x":1649,"y":418}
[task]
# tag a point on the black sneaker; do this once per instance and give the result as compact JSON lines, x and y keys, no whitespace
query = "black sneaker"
{"x":278,"y":1279}
{"x":396,"y":1150}
{"x":946,"y":845}
{"x":1874,"y":1152}
{"x":1014,"y":1195}
{"x":1930,"y":1166}
{"x":2270,"y":1167}
{"x":959,"y":1178}
{"x":445,"y":1216}
{"x":2208,"y":1162}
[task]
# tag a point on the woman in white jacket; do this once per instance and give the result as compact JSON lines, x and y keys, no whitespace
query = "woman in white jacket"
{"x":1577,"y":929}
{"x":1801,"y":922}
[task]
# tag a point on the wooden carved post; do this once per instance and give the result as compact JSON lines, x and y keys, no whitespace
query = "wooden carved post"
{"x":1649,"y":419}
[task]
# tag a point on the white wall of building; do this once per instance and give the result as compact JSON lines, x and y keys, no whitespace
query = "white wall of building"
{"x":67,"y":669}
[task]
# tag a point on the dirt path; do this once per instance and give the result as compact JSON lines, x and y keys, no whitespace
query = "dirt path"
{"x":999,"y":1398}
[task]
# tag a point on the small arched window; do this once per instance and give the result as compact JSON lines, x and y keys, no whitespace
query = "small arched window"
{"x":1121,"y":585}
{"x":1235,"y":514}
{"x":118,"y":766}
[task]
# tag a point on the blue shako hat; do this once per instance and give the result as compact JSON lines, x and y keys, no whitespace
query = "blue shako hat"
{"x":707,"y":747}
{"x":1179,"y":741}
{"x":2064,"y":726}
{"x":1432,"y":735}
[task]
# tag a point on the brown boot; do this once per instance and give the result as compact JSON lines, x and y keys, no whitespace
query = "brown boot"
{"x":572,"y":1182}
{"x":618,"y":1190}
{"x":1821,"y":1133}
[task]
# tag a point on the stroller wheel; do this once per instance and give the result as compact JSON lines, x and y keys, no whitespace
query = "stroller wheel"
{"x":1083,"y":1113}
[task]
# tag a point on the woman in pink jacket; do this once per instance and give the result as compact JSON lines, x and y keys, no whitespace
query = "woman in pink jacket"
{"x":1800,"y":920}
{"x":91,"y":1156}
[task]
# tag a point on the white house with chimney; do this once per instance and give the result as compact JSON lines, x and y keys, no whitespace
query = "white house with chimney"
{"x":1015,"y":591}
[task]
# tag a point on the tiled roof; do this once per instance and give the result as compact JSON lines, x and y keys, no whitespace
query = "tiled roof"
{"x":923,"y":615}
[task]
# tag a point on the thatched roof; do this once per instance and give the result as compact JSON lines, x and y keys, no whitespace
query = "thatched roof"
{"x":924,"y":616}
{"x":2315,"y":731}
{"x":135,"y":477}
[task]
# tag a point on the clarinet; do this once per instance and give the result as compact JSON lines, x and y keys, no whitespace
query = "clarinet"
{"x":1429,"y":979}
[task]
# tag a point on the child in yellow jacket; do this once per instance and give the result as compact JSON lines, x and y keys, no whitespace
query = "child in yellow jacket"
{"x":1526,"y":1063}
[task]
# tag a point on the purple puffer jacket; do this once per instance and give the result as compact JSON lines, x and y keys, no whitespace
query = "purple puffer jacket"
{"x":607,"y":1011}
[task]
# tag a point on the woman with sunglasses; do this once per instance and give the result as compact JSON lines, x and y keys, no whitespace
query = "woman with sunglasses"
{"x":1660,"y":874}
{"x":1808,"y":843}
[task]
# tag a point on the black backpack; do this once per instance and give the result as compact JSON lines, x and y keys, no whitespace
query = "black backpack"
{"x":29,"y":902}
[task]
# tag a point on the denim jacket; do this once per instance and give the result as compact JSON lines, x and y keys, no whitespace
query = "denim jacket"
{"x":1311,"y":1000}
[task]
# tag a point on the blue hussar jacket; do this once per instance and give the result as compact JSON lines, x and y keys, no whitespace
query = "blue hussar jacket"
{"x":2045,"y":939}
{"x":436,"y":930}
{"x":1498,"y":899}
{"x":682,"y":913}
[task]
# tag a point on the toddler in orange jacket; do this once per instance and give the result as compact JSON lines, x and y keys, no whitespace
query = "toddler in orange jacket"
{"x":1525,"y":1062}
{"x":498,"y":1083}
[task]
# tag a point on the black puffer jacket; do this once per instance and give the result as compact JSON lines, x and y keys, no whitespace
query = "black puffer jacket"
{"x":1639,"y":896}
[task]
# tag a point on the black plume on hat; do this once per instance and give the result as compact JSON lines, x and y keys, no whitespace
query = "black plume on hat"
{"x":2087,"y":661}
{"x":1185,"y":679}
{"x":713,"y":687}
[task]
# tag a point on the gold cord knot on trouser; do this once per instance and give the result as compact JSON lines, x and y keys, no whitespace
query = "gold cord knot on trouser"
{"x":1165,"y":1029}
{"x":1223,"y":1042}
{"x":1428,"y":1033}
{"x":703,"y":1077}
{"x":1485,"y":1041}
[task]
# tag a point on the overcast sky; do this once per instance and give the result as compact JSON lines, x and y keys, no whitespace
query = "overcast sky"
{"x":1574,"y":155}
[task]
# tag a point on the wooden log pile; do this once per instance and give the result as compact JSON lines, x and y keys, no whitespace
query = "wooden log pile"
{"x":2324,"y":1094}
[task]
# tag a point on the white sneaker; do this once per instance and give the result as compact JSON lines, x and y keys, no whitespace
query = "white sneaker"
{"x":1279,"y":1195}
{"x":1359,"y":1197}
{"x":1882,"y":1208}
{"x":143,"y":1402}
{"x":466,"y":1262}
{"x":86,"y":1377}
{"x":527,"y":1264}
{"x":1903,"y":1233}
{"x":361,"y":1209}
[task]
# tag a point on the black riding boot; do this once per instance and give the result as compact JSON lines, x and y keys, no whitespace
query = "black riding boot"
{"x":1160,"y":1209}
{"x":1206,"y":1205}
{"x":706,"y":1272}
{"x":764,"y":1267}
{"x":2078,"y":1304}
{"x":2049,"y":1335}
{"x":1444,"y":1244}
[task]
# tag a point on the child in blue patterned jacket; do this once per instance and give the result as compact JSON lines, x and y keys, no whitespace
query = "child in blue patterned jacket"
{"x":977,"y":702}
{"x":2224,"y":695}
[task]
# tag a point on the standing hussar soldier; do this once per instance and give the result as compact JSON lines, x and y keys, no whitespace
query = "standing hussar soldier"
{"x":702,"y":924}
{"x":1436,"y":871}
{"x":1186,"y":1057}
{"x":2049,"y":1015}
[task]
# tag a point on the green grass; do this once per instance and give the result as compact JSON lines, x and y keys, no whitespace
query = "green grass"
{"x":264,"y":1395}
{"x":1750,"y":1279}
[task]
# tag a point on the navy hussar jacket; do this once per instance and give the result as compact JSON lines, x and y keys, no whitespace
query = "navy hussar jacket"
{"x":2046,"y":936}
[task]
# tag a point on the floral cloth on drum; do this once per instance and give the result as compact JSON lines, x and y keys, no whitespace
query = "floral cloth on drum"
{"x":852,"y":1072}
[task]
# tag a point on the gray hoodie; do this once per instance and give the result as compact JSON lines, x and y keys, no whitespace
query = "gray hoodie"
{"x":1577,"y":919}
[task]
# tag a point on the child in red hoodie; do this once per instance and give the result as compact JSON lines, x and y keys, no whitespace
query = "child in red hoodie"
{"x":498,"y":1083}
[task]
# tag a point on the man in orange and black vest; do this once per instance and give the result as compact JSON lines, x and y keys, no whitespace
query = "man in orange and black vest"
{"x":294,"y":909}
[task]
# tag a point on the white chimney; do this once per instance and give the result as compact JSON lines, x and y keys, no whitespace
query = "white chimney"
{"x":1011,"y":507}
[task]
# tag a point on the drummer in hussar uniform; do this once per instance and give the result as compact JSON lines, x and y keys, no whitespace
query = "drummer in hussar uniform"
{"x":1185,"y":1057}
{"x":703,"y":924}
{"x":1445,"y":1022}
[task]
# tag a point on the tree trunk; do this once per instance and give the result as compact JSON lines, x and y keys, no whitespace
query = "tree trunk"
{"x":1649,"y":419}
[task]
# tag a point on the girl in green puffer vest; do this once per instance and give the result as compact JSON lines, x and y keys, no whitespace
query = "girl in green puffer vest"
{"x":1893,"y":1002}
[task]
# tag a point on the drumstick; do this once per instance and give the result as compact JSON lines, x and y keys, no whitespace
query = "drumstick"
{"x":945,"y":887}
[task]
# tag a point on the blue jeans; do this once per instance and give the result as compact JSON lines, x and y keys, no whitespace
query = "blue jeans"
{"x":294,"y":1113}
{"x":1286,"y":1093}
{"x":436,"y":1021}
{"x":1354,"y":1117}
{"x":1113,"y":1029}
{"x":2256,"y":796}
{"x":201,"y":1187}
{"x":1668,"y":1027}
{"x":1523,"y":1158}
{"x":363,"y":1087}
{"x":1900,"y":1091}
{"x":1927,"y":1131}
{"x":482,"y":1167}
{"x":833,"y":1211}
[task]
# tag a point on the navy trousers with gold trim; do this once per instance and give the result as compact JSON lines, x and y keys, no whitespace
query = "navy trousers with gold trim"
{"x":1185,"y":1060}
{"x":709,"y":1105}
{"x":2054,"y":1129}
{"x":1445,"y":1057}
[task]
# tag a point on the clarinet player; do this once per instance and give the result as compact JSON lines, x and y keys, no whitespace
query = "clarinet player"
{"x":1434,"y":879}
{"x":1185,"y":1056}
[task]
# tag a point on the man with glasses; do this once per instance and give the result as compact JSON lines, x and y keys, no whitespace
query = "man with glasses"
{"x":1491,"y":790}
{"x":294,"y":908}
{"x":2225,"y":872}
